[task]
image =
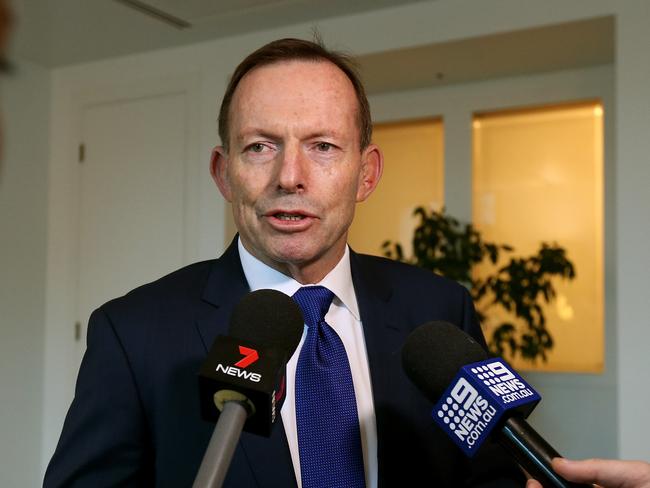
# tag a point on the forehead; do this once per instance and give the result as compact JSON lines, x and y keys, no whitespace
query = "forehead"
{"x":293,"y":94}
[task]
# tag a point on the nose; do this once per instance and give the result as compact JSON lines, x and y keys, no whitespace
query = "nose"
{"x":292,"y":171}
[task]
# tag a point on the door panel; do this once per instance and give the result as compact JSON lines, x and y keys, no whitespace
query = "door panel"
{"x":132,"y":197}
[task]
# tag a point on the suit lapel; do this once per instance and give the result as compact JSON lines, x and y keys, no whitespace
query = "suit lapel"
{"x":269,"y":459}
{"x":384,"y":333}
{"x":225,"y":287}
{"x":381,"y":329}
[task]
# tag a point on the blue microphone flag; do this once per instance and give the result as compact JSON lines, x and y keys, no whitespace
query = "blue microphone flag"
{"x":477,"y":398}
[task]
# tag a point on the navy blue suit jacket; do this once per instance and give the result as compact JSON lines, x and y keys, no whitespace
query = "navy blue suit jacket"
{"x":135,"y":417}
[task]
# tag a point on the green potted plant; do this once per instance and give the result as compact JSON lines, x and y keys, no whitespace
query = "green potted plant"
{"x":521,"y":286}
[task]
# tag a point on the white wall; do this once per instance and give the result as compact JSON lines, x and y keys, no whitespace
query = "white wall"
{"x":632,"y":228}
{"x":587,"y":401}
{"x":23,"y":211}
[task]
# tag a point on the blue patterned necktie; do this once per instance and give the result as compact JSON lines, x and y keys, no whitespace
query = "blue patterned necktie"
{"x":329,"y":440}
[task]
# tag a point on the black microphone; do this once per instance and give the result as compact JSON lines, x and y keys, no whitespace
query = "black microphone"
{"x":242,"y":380}
{"x":476,"y":396}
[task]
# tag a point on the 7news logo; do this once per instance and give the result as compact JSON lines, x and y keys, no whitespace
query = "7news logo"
{"x":238,"y":370}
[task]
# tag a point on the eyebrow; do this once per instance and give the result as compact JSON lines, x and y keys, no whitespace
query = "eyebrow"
{"x":252,"y":132}
{"x":324,"y":133}
{"x":256,"y":133}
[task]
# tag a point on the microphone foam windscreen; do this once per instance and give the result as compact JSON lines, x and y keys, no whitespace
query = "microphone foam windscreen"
{"x":269,"y":318}
{"x":433,"y":354}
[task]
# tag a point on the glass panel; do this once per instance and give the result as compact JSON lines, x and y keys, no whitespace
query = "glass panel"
{"x":538,"y":176}
{"x":413,"y":176}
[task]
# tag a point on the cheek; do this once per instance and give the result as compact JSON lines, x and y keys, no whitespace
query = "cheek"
{"x":353,"y":188}
{"x":344,"y":197}
{"x":248,"y":186}
{"x":243,"y":202}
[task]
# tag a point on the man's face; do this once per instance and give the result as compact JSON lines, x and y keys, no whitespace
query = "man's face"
{"x":294,"y":169}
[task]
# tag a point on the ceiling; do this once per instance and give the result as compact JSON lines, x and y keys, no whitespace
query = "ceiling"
{"x":56,"y":33}
{"x":549,"y":48}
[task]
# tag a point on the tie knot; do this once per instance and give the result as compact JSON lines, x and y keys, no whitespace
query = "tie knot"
{"x":314,"y":301}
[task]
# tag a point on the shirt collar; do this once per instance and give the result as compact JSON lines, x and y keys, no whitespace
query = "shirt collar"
{"x":339,"y":280}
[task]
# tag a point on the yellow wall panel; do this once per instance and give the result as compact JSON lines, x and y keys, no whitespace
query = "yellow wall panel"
{"x":413,"y":176}
{"x":538,"y":176}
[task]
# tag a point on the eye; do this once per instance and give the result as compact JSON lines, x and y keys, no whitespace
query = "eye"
{"x":324,"y":146}
{"x":257,"y":147}
{"x":259,"y":151}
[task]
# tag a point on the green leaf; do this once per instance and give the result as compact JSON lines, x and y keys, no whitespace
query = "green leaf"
{"x":444,"y":245}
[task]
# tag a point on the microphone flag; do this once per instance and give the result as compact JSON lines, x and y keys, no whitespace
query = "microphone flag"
{"x":244,"y":371}
{"x":476,"y":400}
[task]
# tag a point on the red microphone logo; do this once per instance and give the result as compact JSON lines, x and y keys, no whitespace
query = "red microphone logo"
{"x":250,"y":356}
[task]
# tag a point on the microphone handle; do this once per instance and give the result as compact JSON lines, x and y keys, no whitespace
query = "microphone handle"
{"x":221,"y":448}
{"x":532,"y":452}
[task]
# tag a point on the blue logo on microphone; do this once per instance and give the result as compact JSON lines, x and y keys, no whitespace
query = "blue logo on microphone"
{"x":477,"y":398}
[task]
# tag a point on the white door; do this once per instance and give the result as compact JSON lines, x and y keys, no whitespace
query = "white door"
{"x":132,"y":197}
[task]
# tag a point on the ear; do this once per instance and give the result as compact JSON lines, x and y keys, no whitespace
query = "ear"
{"x":372,"y":166}
{"x":219,"y":171}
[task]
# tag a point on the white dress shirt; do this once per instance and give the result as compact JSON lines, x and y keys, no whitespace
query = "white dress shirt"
{"x":343,"y":317}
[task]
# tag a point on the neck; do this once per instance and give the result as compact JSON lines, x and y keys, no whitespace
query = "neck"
{"x":307,"y":272}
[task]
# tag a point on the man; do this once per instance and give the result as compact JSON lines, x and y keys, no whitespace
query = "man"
{"x":296,"y":157}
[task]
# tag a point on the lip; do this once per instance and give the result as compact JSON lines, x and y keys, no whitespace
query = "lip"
{"x":290,"y":225}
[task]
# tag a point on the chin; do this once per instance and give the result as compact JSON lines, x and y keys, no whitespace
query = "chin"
{"x":294,"y":249}
{"x":293,"y":255}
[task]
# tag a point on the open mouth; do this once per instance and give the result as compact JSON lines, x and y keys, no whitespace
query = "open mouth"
{"x":289,"y":216}
{"x":290,"y":220}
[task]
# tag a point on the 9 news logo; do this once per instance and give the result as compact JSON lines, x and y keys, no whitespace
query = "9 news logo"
{"x":502,"y":382}
{"x":466,"y":413}
{"x":477,"y":398}
{"x":251,"y":356}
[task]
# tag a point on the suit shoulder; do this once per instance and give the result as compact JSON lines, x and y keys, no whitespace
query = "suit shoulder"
{"x":413,"y":277}
{"x":181,"y":286}
{"x":418,"y":296}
